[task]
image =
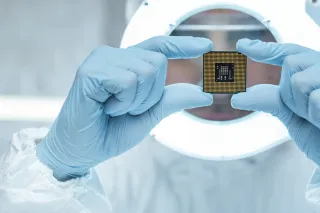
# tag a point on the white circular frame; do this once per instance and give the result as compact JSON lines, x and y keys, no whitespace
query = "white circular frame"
{"x":242,"y":137}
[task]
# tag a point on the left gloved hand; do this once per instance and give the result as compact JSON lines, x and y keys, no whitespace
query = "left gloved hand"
{"x":117,"y":97}
{"x":296,"y":101}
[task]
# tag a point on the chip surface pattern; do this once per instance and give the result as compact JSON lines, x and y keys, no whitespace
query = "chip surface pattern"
{"x":224,"y":72}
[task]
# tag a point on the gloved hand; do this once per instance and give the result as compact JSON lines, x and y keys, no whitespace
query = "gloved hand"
{"x":117,"y":97}
{"x":296,"y":101}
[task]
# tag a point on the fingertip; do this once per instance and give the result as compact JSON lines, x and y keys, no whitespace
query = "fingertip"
{"x":236,"y":100}
{"x":233,"y":99}
{"x":244,"y":100}
{"x":210,"y":46}
{"x":185,"y":96}
{"x":203,"y":45}
{"x":178,"y":47}
{"x":207,"y":43}
{"x":243,"y":45}
{"x":209,"y":98}
{"x":243,"y":41}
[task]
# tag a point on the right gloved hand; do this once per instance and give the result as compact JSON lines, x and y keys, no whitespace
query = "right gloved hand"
{"x":117,"y":97}
{"x":296,"y":101}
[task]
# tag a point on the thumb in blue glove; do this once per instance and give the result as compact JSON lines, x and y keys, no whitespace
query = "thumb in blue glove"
{"x":296,"y":101}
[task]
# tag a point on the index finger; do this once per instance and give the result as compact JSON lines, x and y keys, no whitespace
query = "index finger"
{"x":177,"y":47}
{"x":269,"y":52}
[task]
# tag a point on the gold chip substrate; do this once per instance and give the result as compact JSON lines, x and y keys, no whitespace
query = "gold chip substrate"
{"x":224,"y":72}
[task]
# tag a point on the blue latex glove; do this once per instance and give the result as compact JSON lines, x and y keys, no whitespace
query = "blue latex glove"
{"x":117,"y":97}
{"x":296,"y":101}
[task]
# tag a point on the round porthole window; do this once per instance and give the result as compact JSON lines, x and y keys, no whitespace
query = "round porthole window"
{"x":219,"y":132}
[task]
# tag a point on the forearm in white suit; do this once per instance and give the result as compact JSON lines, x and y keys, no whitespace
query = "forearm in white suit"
{"x":27,"y":185}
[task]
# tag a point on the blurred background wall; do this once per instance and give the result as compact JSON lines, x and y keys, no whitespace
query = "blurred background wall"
{"x":43,"y":42}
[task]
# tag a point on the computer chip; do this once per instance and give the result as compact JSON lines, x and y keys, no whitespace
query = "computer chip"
{"x":224,"y":72}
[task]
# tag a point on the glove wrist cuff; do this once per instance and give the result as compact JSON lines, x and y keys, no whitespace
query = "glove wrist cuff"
{"x":61,"y":171}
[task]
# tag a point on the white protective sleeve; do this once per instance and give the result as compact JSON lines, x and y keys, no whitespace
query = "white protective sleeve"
{"x":27,"y":185}
{"x":313,"y":190}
